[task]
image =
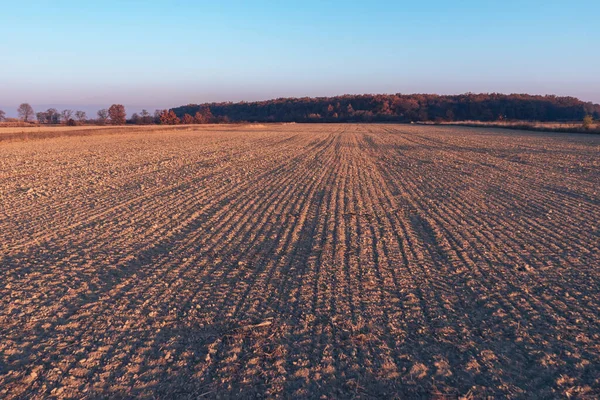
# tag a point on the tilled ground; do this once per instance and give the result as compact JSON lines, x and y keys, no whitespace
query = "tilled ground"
{"x":301,"y":260}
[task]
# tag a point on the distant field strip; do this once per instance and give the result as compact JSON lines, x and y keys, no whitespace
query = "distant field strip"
{"x":300,"y":260}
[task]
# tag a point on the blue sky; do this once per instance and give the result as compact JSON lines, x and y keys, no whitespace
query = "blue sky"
{"x":154,"y":54}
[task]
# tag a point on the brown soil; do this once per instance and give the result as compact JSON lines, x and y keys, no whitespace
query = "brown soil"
{"x":301,"y":261}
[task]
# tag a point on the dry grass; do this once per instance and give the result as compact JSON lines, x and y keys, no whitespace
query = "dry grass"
{"x":29,"y":128}
{"x":300,"y":261}
{"x":575,"y":127}
{"x":49,"y":132}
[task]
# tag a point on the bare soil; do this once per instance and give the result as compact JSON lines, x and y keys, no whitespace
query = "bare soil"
{"x":564,"y":127}
{"x":328,"y":261}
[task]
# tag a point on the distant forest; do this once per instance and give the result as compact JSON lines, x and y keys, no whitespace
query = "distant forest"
{"x":430,"y":108}
{"x":401,"y":108}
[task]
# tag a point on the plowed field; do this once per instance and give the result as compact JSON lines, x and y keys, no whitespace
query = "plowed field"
{"x":300,"y":260}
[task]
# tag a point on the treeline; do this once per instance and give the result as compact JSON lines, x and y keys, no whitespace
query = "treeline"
{"x":168,"y":117}
{"x":402,"y":108}
{"x":114,"y":115}
{"x":347,"y":108}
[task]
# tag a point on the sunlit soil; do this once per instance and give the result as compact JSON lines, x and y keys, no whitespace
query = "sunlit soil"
{"x":300,"y":260}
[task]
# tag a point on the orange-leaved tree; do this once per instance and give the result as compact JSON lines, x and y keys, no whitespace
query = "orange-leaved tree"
{"x":204,"y":116}
{"x":168,"y":117}
{"x":117,"y":114}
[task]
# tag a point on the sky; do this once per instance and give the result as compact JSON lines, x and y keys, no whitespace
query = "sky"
{"x":156,"y":54}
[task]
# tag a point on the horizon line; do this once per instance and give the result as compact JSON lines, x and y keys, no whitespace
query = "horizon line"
{"x":100,"y":106}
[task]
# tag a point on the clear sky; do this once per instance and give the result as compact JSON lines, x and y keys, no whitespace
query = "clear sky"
{"x":151,"y":54}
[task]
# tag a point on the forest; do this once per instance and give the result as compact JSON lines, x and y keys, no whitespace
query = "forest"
{"x":401,"y":108}
{"x":404,"y":108}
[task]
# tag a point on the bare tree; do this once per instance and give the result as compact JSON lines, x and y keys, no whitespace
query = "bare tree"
{"x":135,"y":118}
{"x":157,"y":114}
{"x":42,"y":117}
{"x":66,"y":115}
{"x":52,"y":116}
{"x":102,"y":116}
{"x":145,"y":116}
{"x":25,"y":112}
{"x":117,"y":114}
{"x":81,"y":116}
{"x":2,"y":115}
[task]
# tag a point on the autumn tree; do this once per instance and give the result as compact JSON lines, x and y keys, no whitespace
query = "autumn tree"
{"x":168,"y":117}
{"x":25,"y":112}
{"x":117,"y":114}
{"x":162,"y":115}
{"x":187,"y":119}
{"x":198,"y":118}
{"x":350,"y":110}
{"x":81,"y":116}
{"x":207,"y":114}
{"x":135,"y":118}
{"x":102,"y":116}
{"x":204,"y":116}
{"x":385,"y":109}
{"x":330,"y":109}
{"x":2,"y":115}
{"x":587,"y":122}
